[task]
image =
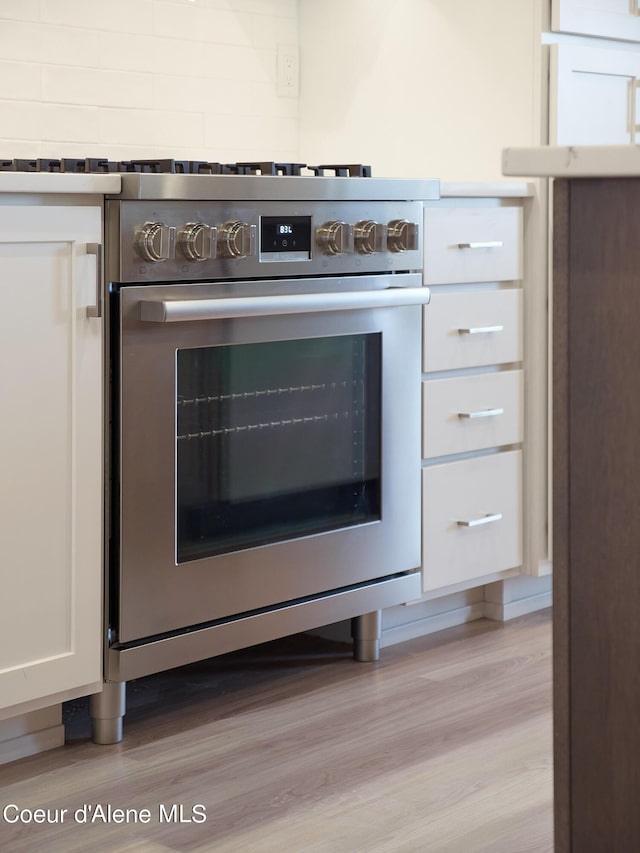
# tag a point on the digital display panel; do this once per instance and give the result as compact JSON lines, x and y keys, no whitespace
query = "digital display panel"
{"x":285,"y":238}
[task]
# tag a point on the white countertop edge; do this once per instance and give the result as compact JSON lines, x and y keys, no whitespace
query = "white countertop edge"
{"x":576,"y":161}
{"x":58,"y":182}
{"x":495,"y":189}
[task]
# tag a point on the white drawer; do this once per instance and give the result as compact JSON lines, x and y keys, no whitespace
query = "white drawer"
{"x":474,"y":328}
{"x":472,"y":412}
{"x":472,"y":519}
{"x":472,"y":244}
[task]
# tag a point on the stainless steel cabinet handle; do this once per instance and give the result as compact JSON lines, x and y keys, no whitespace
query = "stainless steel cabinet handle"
{"x":634,"y":85}
{"x":182,"y":310}
{"x":96,"y":249}
{"x":480,"y":330}
{"x":483,"y":519}
{"x":486,"y":244}
{"x":481,"y":413}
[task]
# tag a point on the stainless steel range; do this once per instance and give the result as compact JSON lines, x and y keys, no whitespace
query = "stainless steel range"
{"x":264,"y":357}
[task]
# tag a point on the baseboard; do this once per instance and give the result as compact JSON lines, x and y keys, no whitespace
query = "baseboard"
{"x":431,"y":624}
{"x":500,"y":601}
{"x":31,"y":744}
{"x":31,"y":733}
{"x":512,"y":609}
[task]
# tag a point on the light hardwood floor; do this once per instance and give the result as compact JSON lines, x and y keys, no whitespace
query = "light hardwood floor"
{"x":292,"y":747}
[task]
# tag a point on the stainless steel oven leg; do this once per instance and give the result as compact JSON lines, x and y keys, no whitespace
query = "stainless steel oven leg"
{"x":107,"y":710}
{"x":366,"y":631}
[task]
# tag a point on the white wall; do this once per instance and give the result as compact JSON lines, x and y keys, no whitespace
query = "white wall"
{"x":146,"y":78}
{"x":424,"y":88}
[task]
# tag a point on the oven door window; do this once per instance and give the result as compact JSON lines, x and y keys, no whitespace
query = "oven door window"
{"x":276,"y":441}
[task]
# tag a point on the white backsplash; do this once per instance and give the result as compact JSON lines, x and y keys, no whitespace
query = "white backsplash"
{"x":146,"y":78}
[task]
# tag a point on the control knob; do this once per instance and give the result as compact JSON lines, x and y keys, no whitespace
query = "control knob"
{"x":156,"y":242}
{"x":236,"y":239}
{"x":335,"y":237}
{"x":402,"y":236}
{"x":198,"y":241}
{"x":369,"y":237}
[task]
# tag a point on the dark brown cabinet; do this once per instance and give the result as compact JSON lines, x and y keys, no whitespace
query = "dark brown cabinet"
{"x":596,"y":499}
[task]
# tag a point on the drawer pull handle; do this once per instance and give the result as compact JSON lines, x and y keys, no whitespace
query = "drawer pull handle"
{"x":480,"y":330}
{"x":95,"y":249}
{"x":487,"y":244}
{"x":484,"y":519}
{"x":481,"y":413}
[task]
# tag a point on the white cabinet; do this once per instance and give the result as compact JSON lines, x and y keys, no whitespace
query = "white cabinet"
{"x":51,"y":381}
{"x":594,"y":96}
{"x":478,"y":244}
{"x":616,"y":19}
{"x":473,"y":392}
{"x":470,"y":328}
{"x":472,"y":518}
{"x":472,"y":412}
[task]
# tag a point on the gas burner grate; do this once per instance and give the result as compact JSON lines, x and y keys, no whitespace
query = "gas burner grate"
{"x":271,"y":168}
{"x":66,"y":164}
{"x":352,"y":170}
{"x":101,"y":165}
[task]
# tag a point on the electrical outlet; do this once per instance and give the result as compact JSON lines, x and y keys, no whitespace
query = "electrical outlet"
{"x":287,"y":72}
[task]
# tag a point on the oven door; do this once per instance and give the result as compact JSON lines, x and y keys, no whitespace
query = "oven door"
{"x":269,"y":444}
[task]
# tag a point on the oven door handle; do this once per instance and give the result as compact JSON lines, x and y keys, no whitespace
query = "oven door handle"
{"x":185,"y":310}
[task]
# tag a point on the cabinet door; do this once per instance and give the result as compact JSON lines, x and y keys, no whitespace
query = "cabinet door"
{"x":594,"y":96}
{"x":50,"y":453}
{"x":617,"y":19}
